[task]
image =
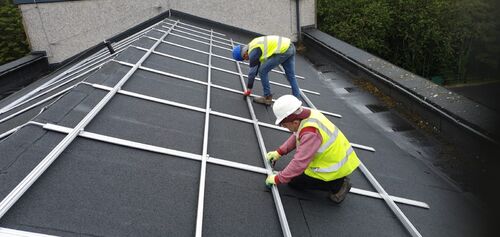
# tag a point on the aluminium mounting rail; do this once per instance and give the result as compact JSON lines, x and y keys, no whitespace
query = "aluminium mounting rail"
{"x":227,"y":71}
{"x":302,"y":94}
{"x":216,"y":113}
{"x":388,"y":200}
{"x":204,"y":155}
{"x":192,"y":156}
{"x":196,"y":27}
{"x":226,"y":89}
{"x":26,"y":183}
{"x":19,"y":233}
{"x":122,"y":45}
{"x":180,"y":105}
{"x":37,"y":104}
{"x":83,"y":65}
{"x":217,"y":68}
{"x":228,"y":49}
{"x":274,"y":190}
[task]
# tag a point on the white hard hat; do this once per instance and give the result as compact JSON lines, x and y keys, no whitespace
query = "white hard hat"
{"x":284,"y":106}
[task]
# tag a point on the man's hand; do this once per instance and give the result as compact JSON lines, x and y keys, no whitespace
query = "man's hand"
{"x":272,"y":157}
{"x":247,"y":92}
{"x":271,"y":180}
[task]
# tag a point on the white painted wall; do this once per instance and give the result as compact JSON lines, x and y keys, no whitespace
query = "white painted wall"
{"x":64,"y":29}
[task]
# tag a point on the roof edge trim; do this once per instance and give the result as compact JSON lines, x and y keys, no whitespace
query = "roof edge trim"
{"x":351,"y":54}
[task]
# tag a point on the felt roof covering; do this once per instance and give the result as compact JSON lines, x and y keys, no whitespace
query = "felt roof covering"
{"x":157,"y":140}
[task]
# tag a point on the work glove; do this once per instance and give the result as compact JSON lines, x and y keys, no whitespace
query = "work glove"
{"x":247,"y":92}
{"x":271,"y":180}
{"x":272,"y":157}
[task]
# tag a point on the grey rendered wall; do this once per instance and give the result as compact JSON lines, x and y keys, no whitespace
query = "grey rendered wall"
{"x":261,"y":16}
{"x":64,"y":29}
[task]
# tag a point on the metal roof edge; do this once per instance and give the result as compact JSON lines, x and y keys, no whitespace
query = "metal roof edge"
{"x":21,"y":72}
{"x":457,"y":109}
{"x":21,"y":62}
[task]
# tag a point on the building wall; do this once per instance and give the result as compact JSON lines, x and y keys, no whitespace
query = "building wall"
{"x":261,"y":16}
{"x":66,"y":28}
{"x":63,"y":29}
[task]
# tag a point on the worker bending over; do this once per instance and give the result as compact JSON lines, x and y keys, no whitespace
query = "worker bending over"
{"x":323,"y":158}
{"x":264,"y":54}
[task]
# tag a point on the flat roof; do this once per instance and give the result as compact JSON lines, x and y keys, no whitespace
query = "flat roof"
{"x":158,"y":140}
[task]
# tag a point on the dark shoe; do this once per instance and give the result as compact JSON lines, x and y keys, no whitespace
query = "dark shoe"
{"x":267,"y":100}
{"x":342,"y":193}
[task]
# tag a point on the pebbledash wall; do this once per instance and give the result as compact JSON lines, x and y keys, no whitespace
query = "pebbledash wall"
{"x":65,"y":28}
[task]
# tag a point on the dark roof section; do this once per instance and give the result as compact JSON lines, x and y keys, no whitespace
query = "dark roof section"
{"x":178,"y":131}
{"x":21,"y":72}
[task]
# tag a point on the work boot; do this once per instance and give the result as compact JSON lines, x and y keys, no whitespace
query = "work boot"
{"x":267,"y":100}
{"x":342,"y":193}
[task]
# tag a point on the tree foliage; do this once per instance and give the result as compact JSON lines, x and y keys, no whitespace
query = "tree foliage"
{"x":13,"y":44}
{"x":448,"y":38}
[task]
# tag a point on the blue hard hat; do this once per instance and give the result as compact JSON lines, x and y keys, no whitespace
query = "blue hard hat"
{"x":237,"y":55}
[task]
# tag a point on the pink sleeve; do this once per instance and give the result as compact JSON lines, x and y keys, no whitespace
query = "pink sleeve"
{"x":309,"y":144}
{"x":287,"y":146}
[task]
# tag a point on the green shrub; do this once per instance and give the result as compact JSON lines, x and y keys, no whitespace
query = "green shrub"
{"x":13,"y":44}
{"x":448,"y":38}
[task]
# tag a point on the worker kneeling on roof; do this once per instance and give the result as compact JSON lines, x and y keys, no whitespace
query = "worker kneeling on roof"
{"x":323,"y":158}
{"x":265,"y":53}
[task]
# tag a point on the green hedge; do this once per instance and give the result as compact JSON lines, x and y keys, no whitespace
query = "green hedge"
{"x":13,"y":44}
{"x":447,"y":38}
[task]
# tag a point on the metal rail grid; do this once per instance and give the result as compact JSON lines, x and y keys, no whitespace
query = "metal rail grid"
{"x":26,"y":183}
{"x":77,"y":71}
{"x":389,"y":201}
{"x":204,"y":158}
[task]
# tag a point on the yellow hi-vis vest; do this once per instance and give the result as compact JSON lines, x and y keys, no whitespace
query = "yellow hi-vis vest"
{"x":271,"y":44}
{"x":335,"y":157}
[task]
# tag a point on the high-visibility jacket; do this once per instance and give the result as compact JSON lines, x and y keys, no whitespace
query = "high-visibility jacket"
{"x":271,"y":44}
{"x":335,"y":157}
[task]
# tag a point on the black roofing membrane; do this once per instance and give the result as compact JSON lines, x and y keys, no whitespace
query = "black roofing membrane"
{"x":224,"y":64}
{"x":238,"y":204}
{"x":146,"y":43}
{"x":182,"y":52}
{"x":150,"y":123}
{"x":130,"y":55}
{"x":222,"y":44}
{"x":28,"y":115}
{"x":97,"y":189}
{"x":109,"y":74}
{"x":187,"y":33}
{"x":19,"y":119}
{"x":177,"y":67}
{"x":229,"y":103}
{"x":73,"y":107}
{"x":222,"y":52}
{"x":226,"y":79}
{"x":167,"y":88}
{"x":154,"y":33}
{"x":233,"y":140}
{"x":192,"y":44}
{"x":21,"y":152}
